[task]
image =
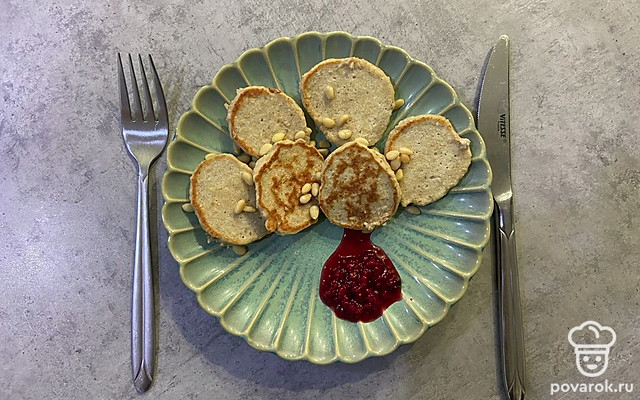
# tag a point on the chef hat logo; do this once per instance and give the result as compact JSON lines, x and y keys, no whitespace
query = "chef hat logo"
{"x":592,"y":335}
{"x":592,"y":342}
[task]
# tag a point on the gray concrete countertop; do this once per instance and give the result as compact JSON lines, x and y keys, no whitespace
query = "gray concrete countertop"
{"x":68,"y":196}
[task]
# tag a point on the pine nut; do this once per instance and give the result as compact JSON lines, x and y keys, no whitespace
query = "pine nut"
{"x":208,"y":156}
{"x":329,"y":92}
{"x":405,"y":150}
{"x":252,"y":164}
{"x":399,"y":174}
{"x":245,"y":158}
{"x":413,"y":210}
{"x":239,"y":207}
{"x":312,"y":143}
{"x":405,"y":158}
{"x":307,"y":130}
{"x":240,"y":250}
{"x":247,"y":178}
{"x":392,"y":155}
{"x":187,"y":207}
{"x":236,"y":148}
{"x":314,"y":211}
{"x":305,"y":198}
{"x":306,"y":188}
{"x":324,"y":152}
{"x":398,"y":103}
{"x":344,"y":118}
{"x":265,"y":148}
{"x":395,"y":164}
{"x":278,"y":137}
{"x":324,"y":144}
{"x":315,"y":189}
{"x":363,"y":141}
{"x":300,"y":135}
{"x":249,"y":209}
{"x":328,"y":122}
{"x":345,"y":134}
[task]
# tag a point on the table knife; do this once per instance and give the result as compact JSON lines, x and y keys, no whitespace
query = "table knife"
{"x":493,"y":124}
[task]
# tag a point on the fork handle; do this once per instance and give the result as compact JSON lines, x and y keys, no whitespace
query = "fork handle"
{"x":142,"y":304}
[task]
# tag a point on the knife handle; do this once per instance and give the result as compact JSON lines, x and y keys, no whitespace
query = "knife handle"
{"x":511,"y":336}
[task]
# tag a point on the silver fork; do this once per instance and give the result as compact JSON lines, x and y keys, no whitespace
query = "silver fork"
{"x":145,"y":137}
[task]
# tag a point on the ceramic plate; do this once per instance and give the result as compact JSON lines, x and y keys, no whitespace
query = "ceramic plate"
{"x":269,"y":296}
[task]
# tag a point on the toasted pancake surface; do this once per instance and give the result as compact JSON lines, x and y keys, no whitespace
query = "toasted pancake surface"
{"x":353,"y":87}
{"x":279,"y":177}
{"x":257,"y":113}
{"x":359,"y":189}
{"x":440,"y":157}
{"x":215,"y":189}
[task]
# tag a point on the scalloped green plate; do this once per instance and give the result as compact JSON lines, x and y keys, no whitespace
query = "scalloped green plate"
{"x":269,"y":296}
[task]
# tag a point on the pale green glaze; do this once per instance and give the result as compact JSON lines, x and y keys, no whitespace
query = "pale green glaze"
{"x":270,"y":295}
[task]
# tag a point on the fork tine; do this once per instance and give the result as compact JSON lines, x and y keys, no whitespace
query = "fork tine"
{"x":137,"y":108}
{"x":162,"y":105}
{"x":146,"y":93}
{"x":125,"y":109}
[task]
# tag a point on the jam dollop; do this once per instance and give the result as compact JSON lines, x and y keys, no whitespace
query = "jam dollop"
{"x":358,"y":281}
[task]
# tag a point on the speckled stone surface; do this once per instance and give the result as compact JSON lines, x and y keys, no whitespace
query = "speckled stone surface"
{"x":68,"y":195}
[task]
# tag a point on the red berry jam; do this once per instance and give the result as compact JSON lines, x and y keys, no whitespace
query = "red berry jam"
{"x":359,"y":281}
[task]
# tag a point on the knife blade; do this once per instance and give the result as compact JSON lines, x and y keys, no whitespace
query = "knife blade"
{"x":494,"y":126}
